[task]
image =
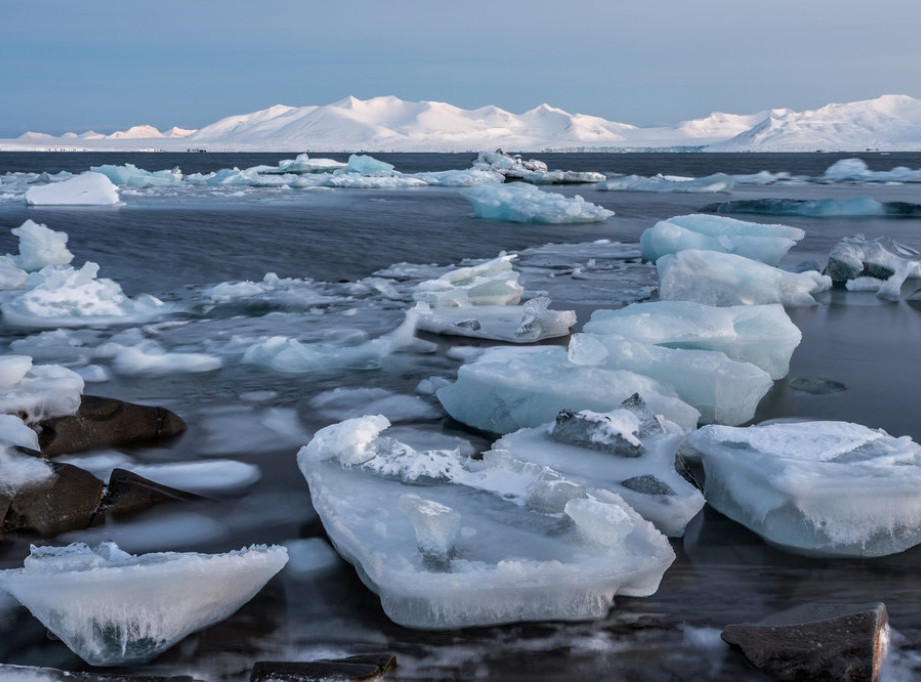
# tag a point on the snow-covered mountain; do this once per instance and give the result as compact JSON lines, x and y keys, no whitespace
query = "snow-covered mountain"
{"x":890,"y":123}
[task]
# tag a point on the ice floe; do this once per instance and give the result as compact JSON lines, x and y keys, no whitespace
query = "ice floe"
{"x":493,"y":282}
{"x":150,"y":359}
{"x":509,"y":167}
{"x":817,"y":488}
{"x":718,"y":182}
{"x":522,"y":203}
{"x":447,"y":541}
{"x":856,"y":170}
{"x":725,"y":279}
{"x":86,"y":189}
{"x":113,"y":608}
{"x":765,"y":243}
{"x":880,"y":265}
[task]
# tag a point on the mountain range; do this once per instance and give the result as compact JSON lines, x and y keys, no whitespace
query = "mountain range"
{"x":384,"y":124}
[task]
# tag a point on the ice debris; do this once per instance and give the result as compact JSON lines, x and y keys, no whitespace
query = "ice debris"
{"x":880,"y":265}
{"x":513,"y":167}
{"x":86,"y":189}
{"x":37,"y":392}
{"x":112,"y":608}
{"x":40,"y":246}
{"x":493,"y":282}
{"x":521,"y":203}
{"x":718,"y":182}
{"x":448,"y":541}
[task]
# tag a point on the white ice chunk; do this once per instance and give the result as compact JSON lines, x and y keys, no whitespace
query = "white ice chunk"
{"x":718,"y":182}
{"x":149,"y":359}
{"x":488,"y":554}
{"x":882,"y":259}
{"x":526,"y":323}
{"x":506,"y":389}
{"x":724,"y":279}
{"x":765,"y":243}
{"x":40,"y":246}
{"x":44,"y":391}
{"x":18,"y":471}
{"x":493,"y":282}
{"x":362,"y":163}
{"x":819,"y":488}
{"x":304,"y":164}
{"x":86,"y":189}
{"x":11,"y":275}
{"x":12,"y":370}
{"x":112,"y":608}
{"x":523,"y":203}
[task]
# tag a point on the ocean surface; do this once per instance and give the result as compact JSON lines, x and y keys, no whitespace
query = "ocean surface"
{"x":177,"y":245}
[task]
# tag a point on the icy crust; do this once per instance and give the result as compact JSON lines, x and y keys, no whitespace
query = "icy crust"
{"x":112,"y":608}
{"x":628,"y":451}
{"x":522,"y":203}
{"x":816,"y":488}
{"x":718,"y":182}
{"x":763,"y":335}
{"x":765,"y":243}
{"x":725,"y":279}
{"x":506,"y":389}
{"x":533,"y":321}
{"x":86,"y":189}
{"x":881,"y":265}
{"x":447,"y":541}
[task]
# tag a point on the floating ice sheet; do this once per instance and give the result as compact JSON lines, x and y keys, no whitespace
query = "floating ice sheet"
{"x":521,"y":203}
{"x":86,"y":189}
{"x":718,"y":182}
{"x":41,"y":392}
{"x":818,"y":488}
{"x":112,"y":608}
{"x":856,"y":170}
{"x":448,"y":541}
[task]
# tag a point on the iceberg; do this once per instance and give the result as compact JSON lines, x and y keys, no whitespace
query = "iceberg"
{"x":132,"y":176}
{"x":364,"y":164}
{"x":86,"y":189}
{"x":112,"y":608}
{"x":857,"y":207}
{"x":509,"y":388}
{"x":817,"y":488}
{"x":718,"y":182}
{"x":38,"y":392}
{"x":509,"y":167}
{"x":448,"y":541}
{"x":521,"y":203}
{"x":883,"y":259}
{"x":724,"y":279}
{"x":765,"y":243}
{"x":40,"y":246}
{"x":629,"y":451}
{"x":763,"y":335}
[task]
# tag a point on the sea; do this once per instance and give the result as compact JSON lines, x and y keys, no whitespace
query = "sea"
{"x":338,"y":255}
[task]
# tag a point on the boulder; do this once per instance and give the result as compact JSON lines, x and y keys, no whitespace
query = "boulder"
{"x":360,"y":667}
{"x":816,"y":642}
{"x":128,"y":493}
{"x":107,"y":422}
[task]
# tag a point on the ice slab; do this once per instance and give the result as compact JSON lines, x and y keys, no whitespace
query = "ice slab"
{"x":628,"y":451}
{"x":40,"y":246}
{"x":522,"y":203}
{"x":765,"y":243}
{"x":448,"y":541}
{"x":816,"y":488}
{"x":718,"y":182}
{"x":883,"y":259}
{"x":304,"y":164}
{"x":150,"y":359}
{"x":493,"y":282}
{"x":761,"y":334}
{"x":533,"y":321}
{"x":362,"y":163}
{"x":112,"y":608}
{"x":506,"y":389}
{"x":725,"y":279}
{"x":513,"y":167}
{"x":42,"y":391}
{"x":86,"y":189}
{"x":132,"y":176}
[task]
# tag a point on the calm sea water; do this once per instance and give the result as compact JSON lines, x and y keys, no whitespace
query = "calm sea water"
{"x":170,"y":246}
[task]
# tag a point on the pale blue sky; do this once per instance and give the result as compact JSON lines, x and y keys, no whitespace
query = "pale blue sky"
{"x":110,"y":64}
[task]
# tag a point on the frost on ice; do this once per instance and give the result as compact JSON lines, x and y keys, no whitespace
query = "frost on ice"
{"x":112,"y":608}
{"x":447,"y":541}
{"x":724,"y":279}
{"x":880,"y":265}
{"x":629,"y":451}
{"x":521,"y":203}
{"x":765,"y":243}
{"x":816,"y":488}
{"x":86,"y":189}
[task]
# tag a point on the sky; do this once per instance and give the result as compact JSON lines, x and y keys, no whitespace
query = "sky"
{"x":106,"y":65}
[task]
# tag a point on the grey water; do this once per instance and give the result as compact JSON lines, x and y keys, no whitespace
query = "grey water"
{"x":167,"y":245}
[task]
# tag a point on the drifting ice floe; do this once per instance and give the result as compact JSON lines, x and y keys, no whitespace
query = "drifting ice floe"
{"x":520,"y":203}
{"x":149,"y":359}
{"x":113,"y":608}
{"x":534,"y":171}
{"x":856,"y":170}
{"x":718,"y":182}
{"x":820,"y":488}
{"x":724,"y":279}
{"x":765,"y":243}
{"x":491,"y":283}
{"x":763,"y":335}
{"x":447,"y":541}
{"x":818,"y":208}
{"x":880,"y":265}
{"x":86,"y":189}
{"x":629,"y":451}
{"x":132,"y":176}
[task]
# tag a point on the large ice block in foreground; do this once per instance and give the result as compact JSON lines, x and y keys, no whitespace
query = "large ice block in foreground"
{"x":448,"y":541}
{"x":629,"y":451}
{"x":113,"y":608}
{"x":724,"y":279}
{"x":86,"y":189}
{"x":765,"y":243}
{"x":506,"y":389}
{"x":521,"y":203}
{"x":816,"y":488}
{"x":761,"y":334}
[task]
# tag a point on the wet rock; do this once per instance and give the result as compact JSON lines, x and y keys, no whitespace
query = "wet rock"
{"x":128,"y":493}
{"x":106,"y":422}
{"x":23,"y":672}
{"x":816,"y":642}
{"x":360,"y":667}
{"x":648,"y":485}
{"x":820,"y":386}
{"x":65,"y":501}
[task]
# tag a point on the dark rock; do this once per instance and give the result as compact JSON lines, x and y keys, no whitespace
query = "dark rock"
{"x":648,"y":485}
{"x":598,"y":432}
{"x":106,"y":422}
{"x":816,"y":642}
{"x":361,"y":667}
{"x":128,"y":493}
{"x":65,"y":501}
